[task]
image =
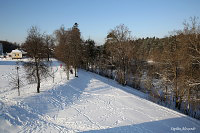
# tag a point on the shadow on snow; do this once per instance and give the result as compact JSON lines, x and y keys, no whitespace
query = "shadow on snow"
{"x":45,"y":102}
{"x":12,"y":63}
{"x":61,"y":96}
{"x":172,"y":125}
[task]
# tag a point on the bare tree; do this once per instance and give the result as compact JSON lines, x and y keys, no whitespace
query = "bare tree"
{"x":191,"y":41}
{"x":75,"y":47}
{"x":49,"y":44}
{"x":62,"y":50}
{"x":117,"y":44}
{"x":69,"y":48}
{"x":35,"y":47}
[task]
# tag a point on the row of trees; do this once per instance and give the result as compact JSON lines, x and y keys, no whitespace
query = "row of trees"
{"x":41,"y":47}
{"x":167,"y":68}
{"x":69,"y":47}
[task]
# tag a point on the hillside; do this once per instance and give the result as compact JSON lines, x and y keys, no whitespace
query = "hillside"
{"x":89,"y":103}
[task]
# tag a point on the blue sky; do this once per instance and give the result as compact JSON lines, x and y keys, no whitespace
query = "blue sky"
{"x":145,"y":18}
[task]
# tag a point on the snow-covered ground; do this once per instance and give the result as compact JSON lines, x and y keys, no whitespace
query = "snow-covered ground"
{"x":89,"y":103}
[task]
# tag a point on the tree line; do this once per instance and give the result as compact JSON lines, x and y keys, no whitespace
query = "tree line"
{"x":167,"y":69}
{"x":9,"y":46}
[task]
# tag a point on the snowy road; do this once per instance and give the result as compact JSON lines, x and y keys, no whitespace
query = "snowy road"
{"x":89,"y":103}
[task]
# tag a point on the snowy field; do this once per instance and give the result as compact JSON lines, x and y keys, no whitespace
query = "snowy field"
{"x":89,"y":103}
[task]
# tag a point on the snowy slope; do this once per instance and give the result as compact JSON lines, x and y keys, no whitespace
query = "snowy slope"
{"x":89,"y":103}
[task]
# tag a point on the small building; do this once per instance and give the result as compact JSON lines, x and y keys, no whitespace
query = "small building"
{"x":16,"y":54}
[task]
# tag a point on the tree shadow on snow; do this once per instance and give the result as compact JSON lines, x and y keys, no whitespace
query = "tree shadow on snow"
{"x":56,"y":63}
{"x":45,"y":102}
{"x":17,"y":115}
{"x":56,"y":98}
{"x":115,"y":84}
{"x":172,"y":125}
{"x":12,"y":63}
{"x":62,"y":96}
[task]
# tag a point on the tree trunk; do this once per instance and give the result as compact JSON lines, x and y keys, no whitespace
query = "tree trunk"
{"x":38,"y":77}
{"x":48,"y":57}
{"x":176,"y":86}
{"x":87,"y":66}
{"x":179,"y":103}
{"x":176,"y":101}
{"x":18,"y":86}
{"x":166,"y":93}
{"x":18,"y":83}
{"x":124,"y":71}
{"x":18,"y":92}
{"x":188,"y":104}
{"x":67,"y":72}
{"x":38,"y":86}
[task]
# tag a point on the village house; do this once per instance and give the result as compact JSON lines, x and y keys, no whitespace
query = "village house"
{"x":16,"y":54}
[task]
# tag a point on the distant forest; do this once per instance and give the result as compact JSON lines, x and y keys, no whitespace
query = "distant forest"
{"x":8,"y":46}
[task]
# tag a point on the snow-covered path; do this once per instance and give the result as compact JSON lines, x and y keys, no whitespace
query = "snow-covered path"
{"x":89,"y":103}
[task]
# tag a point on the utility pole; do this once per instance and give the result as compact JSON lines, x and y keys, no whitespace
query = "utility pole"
{"x":18,"y":80}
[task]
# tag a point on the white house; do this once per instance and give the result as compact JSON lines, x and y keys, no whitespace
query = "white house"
{"x":16,"y":54}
